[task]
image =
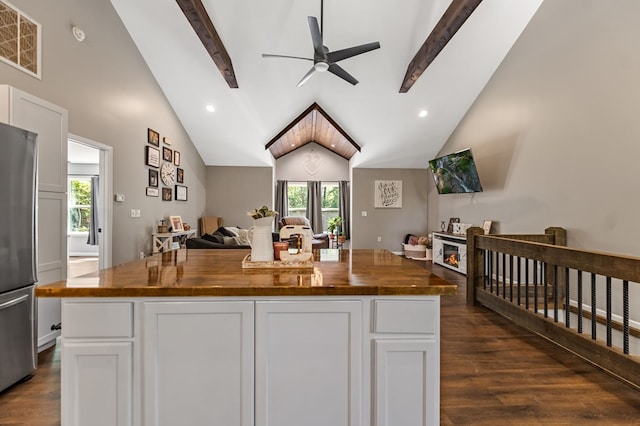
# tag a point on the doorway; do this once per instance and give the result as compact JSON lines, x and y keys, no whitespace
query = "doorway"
{"x":89,"y":178}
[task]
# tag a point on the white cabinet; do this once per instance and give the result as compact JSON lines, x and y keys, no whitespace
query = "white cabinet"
{"x":406,"y":389}
{"x":308,"y":363}
{"x":406,"y":362}
{"x":198,"y":363}
{"x":285,"y":361}
{"x":97,"y":379}
{"x":97,"y":364}
{"x":49,"y":121}
{"x":51,"y":265}
{"x":162,"y":242}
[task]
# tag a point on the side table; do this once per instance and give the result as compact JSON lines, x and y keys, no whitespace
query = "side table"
{"x":162,"y":242}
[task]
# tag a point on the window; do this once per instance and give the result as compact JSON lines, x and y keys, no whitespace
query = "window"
{"x":297,"y":200}
{"x":330,"y":202}
{"x":79,"y":201}
{"x":19,"y":40}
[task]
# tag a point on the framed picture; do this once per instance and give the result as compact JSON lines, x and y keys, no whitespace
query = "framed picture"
{"x":167,"y":154}
{"x":388,"y":194}
{"x":176,"y":158}
{"x":486,"y":226}
{"x":152,"y":192}
{"x":181,"y":193}
{"x":153,"y":178}
{"x":179,"y":175}
{"x":167,"y":194}
{"x":176,"y":223}
{"x":152,"y":156}
{"x":166,"y":140}
{"x":153,"y":137}
{"x":452,"y":220}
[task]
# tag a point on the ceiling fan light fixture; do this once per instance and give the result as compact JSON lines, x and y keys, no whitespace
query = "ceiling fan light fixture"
{"x":321,"y":66}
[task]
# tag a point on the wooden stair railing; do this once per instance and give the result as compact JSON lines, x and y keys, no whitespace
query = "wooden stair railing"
{"x":553,"y":290}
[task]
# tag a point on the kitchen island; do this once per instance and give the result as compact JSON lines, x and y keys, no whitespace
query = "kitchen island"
{"x":190,"y":337}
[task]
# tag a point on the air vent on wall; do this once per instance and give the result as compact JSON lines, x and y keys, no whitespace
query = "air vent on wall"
{"x":20,"y":40}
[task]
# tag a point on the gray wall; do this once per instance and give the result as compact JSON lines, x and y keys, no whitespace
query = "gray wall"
{"x":391,"y":224}
{"x":331,"y":168}
{"x":233,"y":191}
{"x":555,"y":132}
{"x":112,"y":98}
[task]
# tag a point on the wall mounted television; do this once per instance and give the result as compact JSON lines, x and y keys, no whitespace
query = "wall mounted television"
{"x":455,"y":173}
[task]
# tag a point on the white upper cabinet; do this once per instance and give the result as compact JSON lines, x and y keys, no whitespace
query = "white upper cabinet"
{"x":49,"y":121}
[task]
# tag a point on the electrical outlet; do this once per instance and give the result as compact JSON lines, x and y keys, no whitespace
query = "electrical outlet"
{"x":135,"y":212}
{"x":364,"y":213}
{"x":379,"y":239}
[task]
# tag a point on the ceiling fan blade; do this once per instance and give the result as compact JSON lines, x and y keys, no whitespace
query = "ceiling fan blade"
{"x":269,"y":55}
{"x":339,"y":55}
{"x":340,"y":72}
{"x":307,"y":76}
{"x":316,"y":38}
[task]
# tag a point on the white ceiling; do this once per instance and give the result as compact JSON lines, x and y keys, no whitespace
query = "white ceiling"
{"x":381,"y":120}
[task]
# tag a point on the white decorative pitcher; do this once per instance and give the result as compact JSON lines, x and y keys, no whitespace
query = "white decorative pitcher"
{"x":260,"y":239}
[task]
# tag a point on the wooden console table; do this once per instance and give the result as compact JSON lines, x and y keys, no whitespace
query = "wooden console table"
{"x":164,"y":241}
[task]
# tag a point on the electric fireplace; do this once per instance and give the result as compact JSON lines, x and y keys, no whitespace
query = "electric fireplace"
{"x":450,"y":251}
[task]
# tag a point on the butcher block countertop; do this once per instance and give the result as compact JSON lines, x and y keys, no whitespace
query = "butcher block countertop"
{"x":182,"y":273}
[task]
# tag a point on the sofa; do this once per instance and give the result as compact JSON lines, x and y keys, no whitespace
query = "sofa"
{"x":224,"y":238}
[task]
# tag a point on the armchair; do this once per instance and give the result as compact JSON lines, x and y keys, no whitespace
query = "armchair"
{"x":319,"y":241}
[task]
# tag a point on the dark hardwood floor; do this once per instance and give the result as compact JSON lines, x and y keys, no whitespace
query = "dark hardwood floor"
{"x":493,"y":373}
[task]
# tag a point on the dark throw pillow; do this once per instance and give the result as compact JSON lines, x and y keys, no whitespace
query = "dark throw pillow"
{"x":225,"y":232}
{"x":216,"y":237}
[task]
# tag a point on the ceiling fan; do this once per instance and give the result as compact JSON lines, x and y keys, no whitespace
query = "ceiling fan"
{"x":323,"y":59}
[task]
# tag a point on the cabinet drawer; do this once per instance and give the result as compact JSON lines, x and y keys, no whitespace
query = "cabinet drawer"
{"x":108,"y":319}
{"x":406,"y":316}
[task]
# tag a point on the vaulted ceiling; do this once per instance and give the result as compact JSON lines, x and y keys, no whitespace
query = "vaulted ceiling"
{"x":313,"y":125}
{"x":379,"y":119}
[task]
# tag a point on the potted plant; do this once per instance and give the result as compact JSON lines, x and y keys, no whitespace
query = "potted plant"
{"x":341,"y":238}
{"x":333,"y":224}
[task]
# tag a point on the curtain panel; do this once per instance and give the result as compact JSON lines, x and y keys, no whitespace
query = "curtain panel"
{"x":314,"y":205}
{"x":282,"y":202}
{"x":344,"y":209}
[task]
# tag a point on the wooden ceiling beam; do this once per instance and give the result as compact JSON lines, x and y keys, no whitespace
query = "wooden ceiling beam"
{"x":199,"y":19}
{"x":453,"y":18}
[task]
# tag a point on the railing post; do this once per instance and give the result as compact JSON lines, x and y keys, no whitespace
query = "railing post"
{"x":475,"y":264}
{"x":559,"y":236}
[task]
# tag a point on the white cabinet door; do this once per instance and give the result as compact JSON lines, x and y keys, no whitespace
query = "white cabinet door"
{"x":407,"y":382}
{"x":49,"y":121}
{"x":97,"y":383}
{"x":308,"y":363}
{"x":52,"y":261}
{"x":198,"y":363}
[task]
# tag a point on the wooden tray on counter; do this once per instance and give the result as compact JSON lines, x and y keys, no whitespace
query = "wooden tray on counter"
{"x":278,"y":264}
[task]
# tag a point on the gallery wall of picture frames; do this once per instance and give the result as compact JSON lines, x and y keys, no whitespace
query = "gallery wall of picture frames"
{"x":163,"y":166}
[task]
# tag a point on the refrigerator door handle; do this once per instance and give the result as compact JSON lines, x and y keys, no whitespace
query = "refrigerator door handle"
{"x":15,"y":301}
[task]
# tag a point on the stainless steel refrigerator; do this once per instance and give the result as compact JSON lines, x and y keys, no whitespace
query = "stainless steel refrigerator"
{"x":18,"y":192}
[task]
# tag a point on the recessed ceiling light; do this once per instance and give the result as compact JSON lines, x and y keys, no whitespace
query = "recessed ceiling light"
{"x":210,"y":108}
{"x":292,"y":145}
{"x":423,"y":113}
